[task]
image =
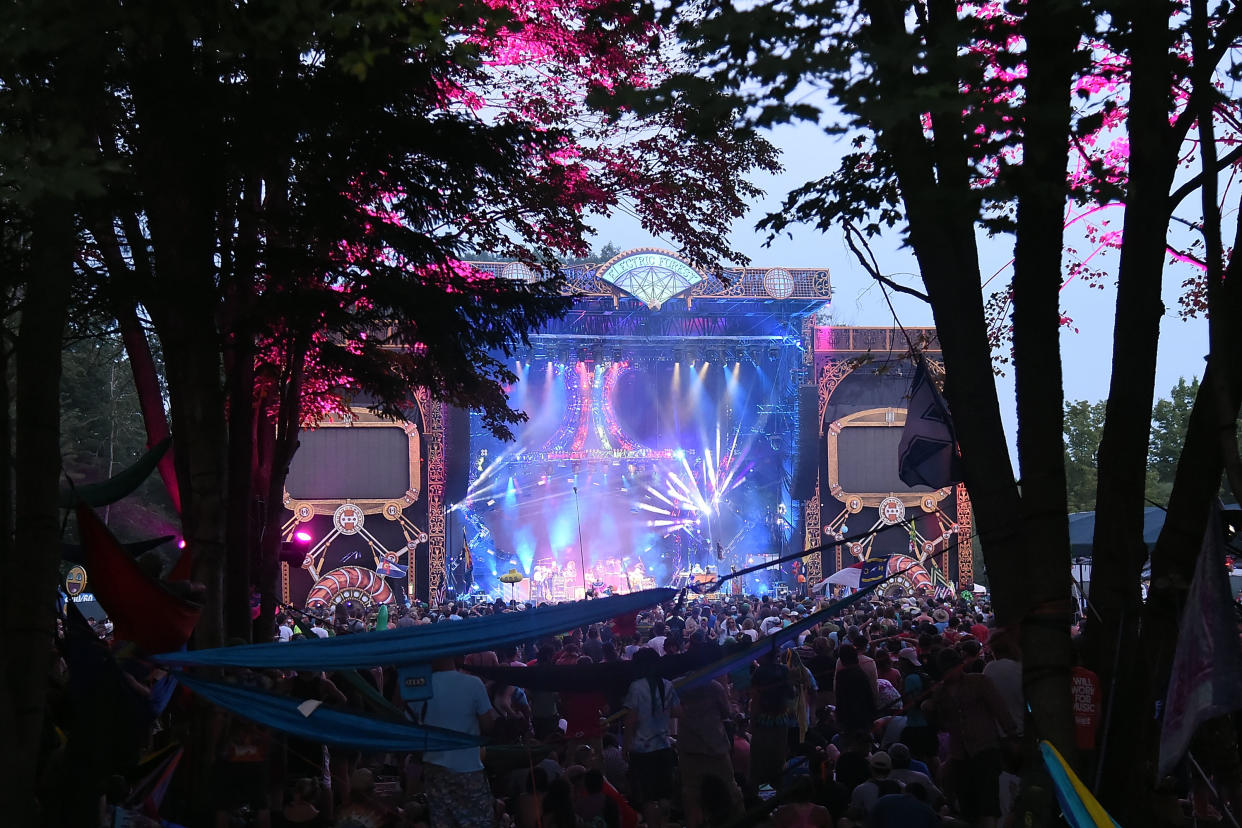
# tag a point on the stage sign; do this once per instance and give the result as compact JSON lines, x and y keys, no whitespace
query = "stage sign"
{"x":651,"y":276}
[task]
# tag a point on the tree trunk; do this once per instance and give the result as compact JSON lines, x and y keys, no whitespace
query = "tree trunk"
{"x":1052,"y":30}
{"x":29,"y":612}
{"x":1118,"y":550}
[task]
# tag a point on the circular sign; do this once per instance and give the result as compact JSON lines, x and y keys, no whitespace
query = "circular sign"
{"x":928,"y":503}
{"x":392,"y":510}
{"x":75,"y":581}
{"x":892,"y":510}
{"x":348,"y":519}
{"x":779,"y":283}
{"x":853,"y":504}
{"x":304,"y":512}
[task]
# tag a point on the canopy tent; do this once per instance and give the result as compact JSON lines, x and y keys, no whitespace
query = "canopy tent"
{"x":1082,"y":530}
{"x":421,"y":644}
{"x":850,"y":576}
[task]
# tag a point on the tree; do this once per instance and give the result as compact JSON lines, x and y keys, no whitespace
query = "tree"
{"x":1083,"y":423}
{"x":287,"y":191}
{"x":1170,"y":419}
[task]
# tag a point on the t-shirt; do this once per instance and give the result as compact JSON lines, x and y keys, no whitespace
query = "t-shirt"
{"x":457,"y":701}
{"x":286,"y":632}
{"x":1006,"y":674}
{"x":700,"y":730}
{"x":657,"y":644}
{"x":319,"y":632}
{"x":651,"y":731}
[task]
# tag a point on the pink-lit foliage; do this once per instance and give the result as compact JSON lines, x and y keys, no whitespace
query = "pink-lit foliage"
{"x":1100,"y":154}
{"x":526,"y":86}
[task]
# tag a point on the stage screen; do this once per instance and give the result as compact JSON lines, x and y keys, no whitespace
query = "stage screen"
{"x":361,"y":463}
{"x":867,"y":458}
{"x":636,"y":471}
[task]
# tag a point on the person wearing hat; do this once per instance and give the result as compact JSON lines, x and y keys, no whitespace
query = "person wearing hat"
{"x":940,"y":618}
{"x":906,"y":775}
{"x":865,"y":794}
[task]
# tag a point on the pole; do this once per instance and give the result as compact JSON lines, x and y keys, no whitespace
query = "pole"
{"x":581,"y":553}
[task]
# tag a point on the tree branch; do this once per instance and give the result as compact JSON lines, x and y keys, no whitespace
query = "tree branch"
{"x":1178,"y":195}
{"x":870,"y":265}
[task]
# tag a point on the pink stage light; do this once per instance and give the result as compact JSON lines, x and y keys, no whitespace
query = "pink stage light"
{"x":181,"y":544}
{"x":303,"y":537}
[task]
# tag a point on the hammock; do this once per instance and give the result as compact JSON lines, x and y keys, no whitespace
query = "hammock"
{"x":421,"y":644}
{"x":141,"y":610}
{"x":325,"y":725}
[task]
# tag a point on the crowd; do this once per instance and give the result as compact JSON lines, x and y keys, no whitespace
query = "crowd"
{"x":900,"y":712}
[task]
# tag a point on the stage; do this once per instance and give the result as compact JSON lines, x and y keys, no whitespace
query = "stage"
{"x":680,"y":425}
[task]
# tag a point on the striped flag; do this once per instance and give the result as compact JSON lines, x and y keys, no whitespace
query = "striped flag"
{"x":465,"y":551}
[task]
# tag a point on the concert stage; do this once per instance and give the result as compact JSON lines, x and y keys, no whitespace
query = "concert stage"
{"x":679,"y":424}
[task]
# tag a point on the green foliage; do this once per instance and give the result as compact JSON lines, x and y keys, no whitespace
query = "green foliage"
{"x":102,"y":432}
{"x":1169,"y":421}
{"x":1084,"y":423}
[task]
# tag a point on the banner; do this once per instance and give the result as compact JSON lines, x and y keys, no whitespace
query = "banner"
{"x":1206,"y":678}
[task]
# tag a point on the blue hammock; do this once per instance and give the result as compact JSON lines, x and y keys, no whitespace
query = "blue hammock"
{"x":422,"y":644}
{"x":326,"y":725}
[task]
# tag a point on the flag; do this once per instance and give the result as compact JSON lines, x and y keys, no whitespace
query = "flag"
{"x":1206,"y":679}
{"x":928,"y":452}
{"x":390,"y":569}
{"x":465,"y":552}
{"x":873,"y":571}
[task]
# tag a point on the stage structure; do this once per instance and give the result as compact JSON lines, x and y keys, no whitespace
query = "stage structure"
{"x":862,"y":378}
{"x":662,"y":434}
{"x":358,"y":495}
{"x":681,"y":424}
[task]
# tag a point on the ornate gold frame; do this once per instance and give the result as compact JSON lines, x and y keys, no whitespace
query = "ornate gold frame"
{"x":871,"y":418}
{"x":361,"y":418}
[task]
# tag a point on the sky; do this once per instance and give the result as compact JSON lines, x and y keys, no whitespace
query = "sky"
{"x":1086,"y":348}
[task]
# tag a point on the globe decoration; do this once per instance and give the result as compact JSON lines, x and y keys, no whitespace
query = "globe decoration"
{"x":519,"y":272}
{"x":779,"y":283}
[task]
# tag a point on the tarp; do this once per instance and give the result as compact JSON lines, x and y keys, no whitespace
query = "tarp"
{"x":421,"y":644}
{"x":326,"y":725}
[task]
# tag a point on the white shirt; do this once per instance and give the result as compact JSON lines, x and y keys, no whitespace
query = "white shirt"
{"x":457,"y":701}
{"x":319,"y":631}
{"x":770,"y":624}
{"x":657,"y":644}
{"x":286,"y":632}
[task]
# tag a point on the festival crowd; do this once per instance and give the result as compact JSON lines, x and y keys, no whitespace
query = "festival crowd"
{"x":897,"y":712}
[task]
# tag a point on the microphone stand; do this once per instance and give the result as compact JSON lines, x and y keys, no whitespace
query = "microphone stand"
{"x":581,"y":554}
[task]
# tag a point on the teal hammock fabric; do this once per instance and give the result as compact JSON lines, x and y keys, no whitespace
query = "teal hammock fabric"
{"x":422,"y":644}
{"x":326,"y":725}
{"x":589,"y":678}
